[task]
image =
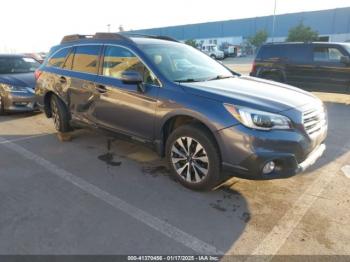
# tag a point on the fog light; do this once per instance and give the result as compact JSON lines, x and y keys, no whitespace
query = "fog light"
{"x":269,"y":167}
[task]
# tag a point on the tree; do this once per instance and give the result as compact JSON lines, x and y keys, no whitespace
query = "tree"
{"x":121,"y":28}
{"x":302,"y":33}
{"x":191,"y":42}
{"x":258,"y":39}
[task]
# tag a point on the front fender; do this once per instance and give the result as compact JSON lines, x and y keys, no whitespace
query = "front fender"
{"x":193,"y":114}
{"x":209,"y":112}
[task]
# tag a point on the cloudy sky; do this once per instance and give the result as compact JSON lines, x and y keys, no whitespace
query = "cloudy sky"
{"x":35,"y":25}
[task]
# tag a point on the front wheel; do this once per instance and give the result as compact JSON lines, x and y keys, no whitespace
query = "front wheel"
{"x":193,"y":157}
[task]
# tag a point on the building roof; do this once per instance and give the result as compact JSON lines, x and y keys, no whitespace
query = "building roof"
{"x":326,"y":22}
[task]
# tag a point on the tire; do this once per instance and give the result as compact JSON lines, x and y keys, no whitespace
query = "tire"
{"x":213,"y":56}
{"x":59,"y":114}
{"x":2,"y":106}
{"x":273,"y":77}
{"x":203,"y":158}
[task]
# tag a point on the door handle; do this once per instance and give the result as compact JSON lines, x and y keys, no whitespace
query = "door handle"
{"x":101,"y":88}
{"x":63,"y":80}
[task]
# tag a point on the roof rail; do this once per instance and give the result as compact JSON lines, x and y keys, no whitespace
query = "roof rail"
{"x":76,"y":37}
{"x":112,"y":36}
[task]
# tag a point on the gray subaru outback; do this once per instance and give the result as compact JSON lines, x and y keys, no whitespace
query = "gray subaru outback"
{"x":204,"y":118}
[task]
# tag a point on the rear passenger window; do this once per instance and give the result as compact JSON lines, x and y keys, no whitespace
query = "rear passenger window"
{"x":58,"y":58}
{"x":118,"y":60}
{"x":298,"y":53}
{"x":86,"y":59}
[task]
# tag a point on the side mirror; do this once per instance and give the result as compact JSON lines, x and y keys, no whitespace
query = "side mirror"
{"x":133,"y":78}
{"x":345,"y":60}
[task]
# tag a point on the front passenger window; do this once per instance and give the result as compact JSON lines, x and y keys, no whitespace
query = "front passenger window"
{"x":327,"y":54}
{"x":118,"y":60}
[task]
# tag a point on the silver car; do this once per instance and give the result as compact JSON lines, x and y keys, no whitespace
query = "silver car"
{"x":17,"y":83}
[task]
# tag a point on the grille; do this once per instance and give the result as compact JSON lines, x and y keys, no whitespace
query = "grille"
{"x":314,"y":120}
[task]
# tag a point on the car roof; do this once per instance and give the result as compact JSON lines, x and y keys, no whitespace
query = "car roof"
{"x":116,"y":38}
{"x":145,"y":40}
{"x":303,"y":43}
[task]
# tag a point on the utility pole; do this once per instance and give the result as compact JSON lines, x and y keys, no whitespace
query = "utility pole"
{"x":273,"y":22}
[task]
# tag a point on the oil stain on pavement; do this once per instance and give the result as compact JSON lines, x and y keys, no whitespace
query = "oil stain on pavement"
{"x":155,"y":171}
{"x":230,"y":203}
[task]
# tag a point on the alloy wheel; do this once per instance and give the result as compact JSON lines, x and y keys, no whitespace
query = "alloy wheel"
{"x":189,"y":159}
{"x":55,"y":115}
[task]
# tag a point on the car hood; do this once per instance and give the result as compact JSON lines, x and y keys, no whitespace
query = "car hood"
{"x":23,"y":80}
{"x":252,"y":92}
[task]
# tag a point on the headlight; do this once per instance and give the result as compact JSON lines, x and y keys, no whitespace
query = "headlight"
{"x":14,"y":89}
{"x":258,"y":119}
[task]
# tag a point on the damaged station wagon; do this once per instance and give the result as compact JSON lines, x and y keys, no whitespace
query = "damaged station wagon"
{"x":204,"y":118}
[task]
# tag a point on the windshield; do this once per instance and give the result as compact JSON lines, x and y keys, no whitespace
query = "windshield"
{"x":16,"y":65}
{"x":182,"y":63}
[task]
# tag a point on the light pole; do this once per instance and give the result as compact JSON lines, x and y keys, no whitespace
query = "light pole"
{"x":274,"y":21}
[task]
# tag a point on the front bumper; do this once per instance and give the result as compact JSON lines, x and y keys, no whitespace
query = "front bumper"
{"x":19,"y":102}
{"x":312,"y":158}
{"x":245,"y":151}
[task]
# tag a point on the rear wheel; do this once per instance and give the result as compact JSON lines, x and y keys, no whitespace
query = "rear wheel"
{"x":2,"y":106}
{"x":193,"y":158}
{"x":59,"y":114}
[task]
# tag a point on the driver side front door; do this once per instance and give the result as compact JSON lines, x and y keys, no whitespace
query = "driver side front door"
{"x":122,"y":107}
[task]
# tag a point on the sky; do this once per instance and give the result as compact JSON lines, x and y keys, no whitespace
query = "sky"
{"x":36,"y":25}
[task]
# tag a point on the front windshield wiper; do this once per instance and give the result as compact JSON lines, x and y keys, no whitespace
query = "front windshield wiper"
{"x":218,"y":77}
{"x":188,"y":80}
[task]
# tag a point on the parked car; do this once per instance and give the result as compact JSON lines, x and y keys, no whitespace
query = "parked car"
{"x":213,"y":51}
{"x":232,"y":51}
{"x":203,"y":117}
{"x":35,"y":56}
{"x":17,"y":83}
{"x":312,"y":66}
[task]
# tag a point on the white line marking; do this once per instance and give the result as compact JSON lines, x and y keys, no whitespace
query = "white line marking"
{"x":271,"y":244}
{"x":346,"y":170}
{"x":23,"y":138}
{"x":159,"y":225}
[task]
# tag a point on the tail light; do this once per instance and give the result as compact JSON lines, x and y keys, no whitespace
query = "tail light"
{"x":253,"y":68}
{"x":37,"y":74}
